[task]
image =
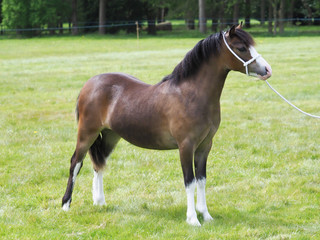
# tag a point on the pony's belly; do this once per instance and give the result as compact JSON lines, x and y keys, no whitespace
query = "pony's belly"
{"x":148,"y":139}
{"x":157,"y":145}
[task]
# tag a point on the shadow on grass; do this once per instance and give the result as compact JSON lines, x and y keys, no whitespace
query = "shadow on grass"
{"x":223,"y":219}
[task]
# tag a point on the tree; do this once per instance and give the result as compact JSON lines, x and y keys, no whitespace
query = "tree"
{"x":317,"y":12}
{"x":16,"y":13}
{"x":291,"y":9}
{"x":0,"y":11}
{"x":102,"y":18}
{"x":306,"y":5}
{"x":190,"y":13}
{"x":278,"y":6}
{"x":262,"y":11}
{"x":151,"y":8}
{"x":274,"y":5}
{"x":247,"y":13}
{"x":222,"y":14}
{"x":36,"y":15}
{"x":213,"y":10}
{"x":151,"y":14}
{"x":202,"y":17}
{"x":74,"y":17}
{"x":270,"y":10}
{"x":281,"y":16}
{"x":236,"y":12}
{"x":29,"y":16}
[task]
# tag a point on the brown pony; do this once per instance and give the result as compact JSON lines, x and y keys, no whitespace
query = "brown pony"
{"x":182,"y":111}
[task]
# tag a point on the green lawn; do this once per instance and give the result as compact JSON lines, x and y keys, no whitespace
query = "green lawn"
{"x":263,"y":171}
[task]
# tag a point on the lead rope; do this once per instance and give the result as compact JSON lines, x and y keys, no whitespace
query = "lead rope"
{"x":245,"y":64}
{"x":308,"y":114}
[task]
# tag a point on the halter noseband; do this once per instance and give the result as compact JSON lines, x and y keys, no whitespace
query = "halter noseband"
{"x":245,"y":64}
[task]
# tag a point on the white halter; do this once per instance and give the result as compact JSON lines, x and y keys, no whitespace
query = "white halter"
{"x":245,"y":64}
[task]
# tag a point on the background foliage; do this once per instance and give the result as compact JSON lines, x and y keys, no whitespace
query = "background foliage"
{"x":122,"y":14}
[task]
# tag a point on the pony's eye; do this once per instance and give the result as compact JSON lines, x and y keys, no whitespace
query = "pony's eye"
{"x":243,"y":49}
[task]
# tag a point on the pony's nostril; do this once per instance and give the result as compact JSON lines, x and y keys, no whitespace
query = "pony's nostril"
{"x":268,"y":71}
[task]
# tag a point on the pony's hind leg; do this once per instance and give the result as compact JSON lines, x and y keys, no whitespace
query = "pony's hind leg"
{"x":75,"y":166}
{"x":99,"y":152}
{"x":83,"y":144}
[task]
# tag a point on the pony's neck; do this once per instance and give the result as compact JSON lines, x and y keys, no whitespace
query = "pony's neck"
{"x":211,"y":78}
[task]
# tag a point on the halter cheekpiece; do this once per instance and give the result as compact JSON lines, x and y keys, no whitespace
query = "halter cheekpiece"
{"x":245,"y":64}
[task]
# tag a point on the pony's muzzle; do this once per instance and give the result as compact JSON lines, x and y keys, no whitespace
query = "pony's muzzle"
{"x":268,"y":73}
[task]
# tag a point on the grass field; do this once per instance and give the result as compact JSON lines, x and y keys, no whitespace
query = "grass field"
{"x":263,"y":171}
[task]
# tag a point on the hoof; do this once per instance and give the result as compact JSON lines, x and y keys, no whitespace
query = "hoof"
{"x":204,"y":211}
{"x":99,"y":202}
{"x":207,"y":217}
{"x":193,"y":221}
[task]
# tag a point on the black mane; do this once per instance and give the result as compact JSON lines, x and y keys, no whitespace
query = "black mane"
{"x":195,"y":58}
{"x":200,"y":54}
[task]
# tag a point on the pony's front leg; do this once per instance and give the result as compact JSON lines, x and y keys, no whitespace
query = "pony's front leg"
{"x":200,"y":163}
{"x":186,"y":158}
{"x":201,"y":200}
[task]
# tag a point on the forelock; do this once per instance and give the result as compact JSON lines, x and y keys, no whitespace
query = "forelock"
{"x":244,"y":37}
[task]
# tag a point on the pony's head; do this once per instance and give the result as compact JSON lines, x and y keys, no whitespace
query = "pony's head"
{"x":243,"y":56}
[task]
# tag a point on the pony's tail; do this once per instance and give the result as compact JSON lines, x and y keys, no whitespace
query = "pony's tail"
{"x":103,"y":147}
{"x":98,"y":153}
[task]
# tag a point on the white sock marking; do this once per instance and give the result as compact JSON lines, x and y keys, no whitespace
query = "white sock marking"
{"x":97,"y":189}
{"x":191,"y":211}
{"x":66,"y":206}
{"x":76,"y":171}
{"x":201,"y":200}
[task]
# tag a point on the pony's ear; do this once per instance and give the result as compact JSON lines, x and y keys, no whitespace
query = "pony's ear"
{"x":232,"y":31}
{"x":240,"y":25}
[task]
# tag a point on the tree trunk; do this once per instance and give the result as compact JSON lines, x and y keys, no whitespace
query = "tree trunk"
{"x":281,"y":16}
{"x":102,"y":16}
{"x":51,"y":28}
{"x":190,"y":24}
{"x":262,"y":11}
{"x":74,"y":18}
{"x":221,"y":15}
{"x":60,"y":28}
{"x":189,"y":14}
{"x":275,"y":18}
{"x":247,"y":14}
{"x":291,"y":9}
{"x":214,"y":14}
{"x":214,"y":26}
{"x":152,"y":27}
{"x":151,"y":15}
{"x":270,"y":9}
{"x":236,"y":12}
{"x":162,"y":14}
{"x":202,"y":17}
